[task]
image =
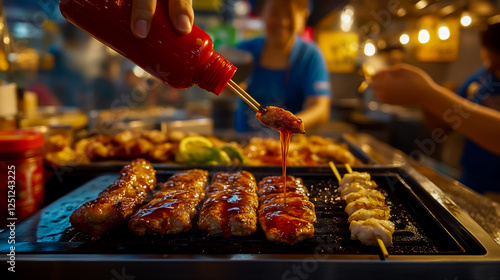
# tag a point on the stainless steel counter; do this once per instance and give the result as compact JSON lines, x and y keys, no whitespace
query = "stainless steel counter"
{"x":478,"y":215}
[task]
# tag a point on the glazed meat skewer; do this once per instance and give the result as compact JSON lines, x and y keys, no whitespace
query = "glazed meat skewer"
{"x":231,"y":205}
{"x":173,"y":207}
{"x":285,"y":217}
{"x":271,"y":116}
{"x":118,"y":202}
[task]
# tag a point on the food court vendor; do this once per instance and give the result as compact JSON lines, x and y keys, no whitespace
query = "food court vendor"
{"x":287,"y":71}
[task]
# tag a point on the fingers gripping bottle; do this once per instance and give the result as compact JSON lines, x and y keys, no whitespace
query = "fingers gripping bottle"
{"x":178,"y":60}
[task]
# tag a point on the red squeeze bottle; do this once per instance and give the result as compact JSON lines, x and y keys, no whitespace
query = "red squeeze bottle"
{"x":178,"y":60}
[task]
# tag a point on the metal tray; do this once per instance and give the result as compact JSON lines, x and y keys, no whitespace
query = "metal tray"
{"x":419,"y":230}
{"x":116,"y":165}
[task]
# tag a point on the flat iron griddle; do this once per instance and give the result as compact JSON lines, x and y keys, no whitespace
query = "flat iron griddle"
{"x":422,"y":226}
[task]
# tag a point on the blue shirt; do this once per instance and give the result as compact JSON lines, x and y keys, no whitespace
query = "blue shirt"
{"x":480,"y":168}
{"x":286,"y":88}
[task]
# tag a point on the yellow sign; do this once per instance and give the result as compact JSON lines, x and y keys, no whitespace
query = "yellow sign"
{"x":340,"y":50}
{"x":444,"y":49}
{"x":207,"y":5}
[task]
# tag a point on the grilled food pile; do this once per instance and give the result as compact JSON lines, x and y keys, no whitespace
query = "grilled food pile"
{"x":182,"y":148}
{"x":303,"y":151}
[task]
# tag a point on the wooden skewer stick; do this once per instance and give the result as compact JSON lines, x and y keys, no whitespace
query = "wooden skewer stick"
{"x":382,"y":247}
{"x":348,"y":167}
{"x":335,"y":171}
{"x":380,"y":242}
{"x":244,"y":95}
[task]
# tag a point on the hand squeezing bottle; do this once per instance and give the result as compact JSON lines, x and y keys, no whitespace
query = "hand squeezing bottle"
{"x":178,"y":60}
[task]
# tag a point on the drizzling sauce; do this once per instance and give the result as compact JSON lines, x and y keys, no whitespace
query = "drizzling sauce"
{"x":285,"y":143}
{"x":287,"y":124}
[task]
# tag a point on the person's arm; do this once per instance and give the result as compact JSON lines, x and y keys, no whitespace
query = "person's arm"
{"x":316,"y":112}
{"x":435,"y":122}
{"x":479,"y":123}
{"x":180,"y":12}
{"x":408,"y":85}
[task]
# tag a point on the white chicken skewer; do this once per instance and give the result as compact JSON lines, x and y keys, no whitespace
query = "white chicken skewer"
{"x":382,"y":229}
{"x":368,"y":213}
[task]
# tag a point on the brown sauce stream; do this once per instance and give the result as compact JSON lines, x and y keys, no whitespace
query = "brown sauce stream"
{"x":285,"y":143}
{"x":287,"y":124}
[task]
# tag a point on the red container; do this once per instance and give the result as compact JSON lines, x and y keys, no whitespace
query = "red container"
{"x":178,"y":60}
{"x":21,"y":174}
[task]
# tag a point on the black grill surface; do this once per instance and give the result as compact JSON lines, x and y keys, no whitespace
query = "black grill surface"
{"x":418,"y":229}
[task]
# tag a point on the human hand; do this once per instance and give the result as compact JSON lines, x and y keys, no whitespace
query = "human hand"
{"x":402,"y":84}
{"x":180,"y":12}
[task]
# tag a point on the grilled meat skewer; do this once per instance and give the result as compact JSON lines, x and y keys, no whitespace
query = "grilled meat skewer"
{"x":367,"y":210}
{"x":287,"y":220}
{"x":118,"y":202}
{"x":173,"y":207}
{"x":231,"y":205}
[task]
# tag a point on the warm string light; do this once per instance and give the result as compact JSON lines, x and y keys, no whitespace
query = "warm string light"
{"x":424,"y":36}
{"x":447,"y":10}
{"x":370,"y":49}
{"x":404,"y":39}
{"x":444,"y":32}
{"x":421,"y":4}
{"x":401,"y":12}
{"x":347,"y":18}
{"x":466,"y":19}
